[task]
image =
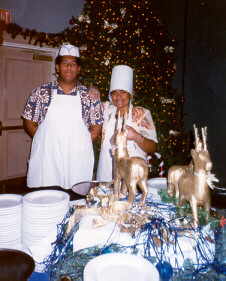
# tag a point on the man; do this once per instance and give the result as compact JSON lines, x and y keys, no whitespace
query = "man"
{"x":63,"y":120}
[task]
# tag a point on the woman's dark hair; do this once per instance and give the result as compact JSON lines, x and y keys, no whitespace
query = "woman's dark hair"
{"x":58,"y":60}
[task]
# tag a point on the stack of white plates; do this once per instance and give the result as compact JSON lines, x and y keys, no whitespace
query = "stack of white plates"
{"x":41,"y":212}
{"x":10,"y":219}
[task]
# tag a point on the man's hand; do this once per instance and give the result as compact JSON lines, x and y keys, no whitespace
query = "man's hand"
{"x":95,"y":131}
{"x":94,"y":93}
{"x":30,"y":127}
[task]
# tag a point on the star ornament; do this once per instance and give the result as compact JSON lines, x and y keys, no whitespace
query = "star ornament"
{"x":223,"y":221}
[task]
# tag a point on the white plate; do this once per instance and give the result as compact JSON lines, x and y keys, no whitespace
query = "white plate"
{"x":9,"y":220}
{"x":36,"y":214}
{"x":157,"y":183}
{"x":46,"y":197}
{"x":45,"y":210}
{"x":119,"y":266}
{"x":9,"y":201}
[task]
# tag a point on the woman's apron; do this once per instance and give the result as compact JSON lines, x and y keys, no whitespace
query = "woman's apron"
{"x":105,"y":171}
{"x":62,"y":150}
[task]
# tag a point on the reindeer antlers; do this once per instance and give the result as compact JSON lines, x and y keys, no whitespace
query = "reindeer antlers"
{"x":124,"y":123}
{"x":200,"y":145}
{"x":197,"y":139}
{"x":204,"y":138}
{"x":117,"y":128}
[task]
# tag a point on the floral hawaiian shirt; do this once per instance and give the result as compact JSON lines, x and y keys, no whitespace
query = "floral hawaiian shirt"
{"x":40,"y":99}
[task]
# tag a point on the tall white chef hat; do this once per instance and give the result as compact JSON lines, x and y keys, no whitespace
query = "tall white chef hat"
{"x":121,"y":79}
{"x":69,"y":50}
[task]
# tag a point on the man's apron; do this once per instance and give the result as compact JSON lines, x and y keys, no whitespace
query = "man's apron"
{"x":105,"y":171}
{"x":62,"y":150}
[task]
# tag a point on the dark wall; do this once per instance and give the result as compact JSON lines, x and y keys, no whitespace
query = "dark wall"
{"x":205,"y":76}
{"x":202,"y":27}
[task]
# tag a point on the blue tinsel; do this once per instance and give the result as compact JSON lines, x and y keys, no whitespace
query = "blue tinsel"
{"x":205,"y":258}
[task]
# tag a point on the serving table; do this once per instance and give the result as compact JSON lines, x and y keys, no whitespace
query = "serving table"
{"x":153,"y":232}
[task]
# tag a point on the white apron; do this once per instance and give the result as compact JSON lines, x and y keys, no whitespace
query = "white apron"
{"x":105,"y":171}
{"x":62,"y":150}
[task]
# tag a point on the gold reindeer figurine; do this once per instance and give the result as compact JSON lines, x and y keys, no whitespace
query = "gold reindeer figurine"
{"x":193,"y":186}
{"x":174,"y":174}
{"x":132,"y":170}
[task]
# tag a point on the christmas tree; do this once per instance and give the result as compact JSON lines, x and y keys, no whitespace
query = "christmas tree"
{"x":127,"y":32}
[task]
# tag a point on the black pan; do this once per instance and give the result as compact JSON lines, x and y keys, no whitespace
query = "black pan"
{"x":83,"y":188}
{"x":15,"y":265}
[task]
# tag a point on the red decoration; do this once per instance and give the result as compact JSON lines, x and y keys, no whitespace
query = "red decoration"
{"x":223,"y":221}
{"x":160,"y":162}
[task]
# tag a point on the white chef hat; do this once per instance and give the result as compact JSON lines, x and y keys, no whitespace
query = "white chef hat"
{"x":121,"y":79}
{"x":69,"y":50}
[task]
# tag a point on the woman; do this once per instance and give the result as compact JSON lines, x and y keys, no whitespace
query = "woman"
{"x":141,"y":137}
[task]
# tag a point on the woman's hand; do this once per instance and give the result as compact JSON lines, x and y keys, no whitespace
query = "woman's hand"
{"x":147,"y":145}
{"x":94,"y":93}
{"x":132,"y":134}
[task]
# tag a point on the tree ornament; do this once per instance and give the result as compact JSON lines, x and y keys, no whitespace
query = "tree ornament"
{"x":138,"y":31}
{"x":173,"y":133}
{"x":142,"y":51}
{"x":83,"y":47}
{"x":166,"y":100}
{"x":72,"y":20}
{"x":87,"y":19}
{"x":111,"y":27}
{"x":165,"y":270}
{"x":81,"y":18}
{"x":123,"y":12}
{"x":169,"y":49}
